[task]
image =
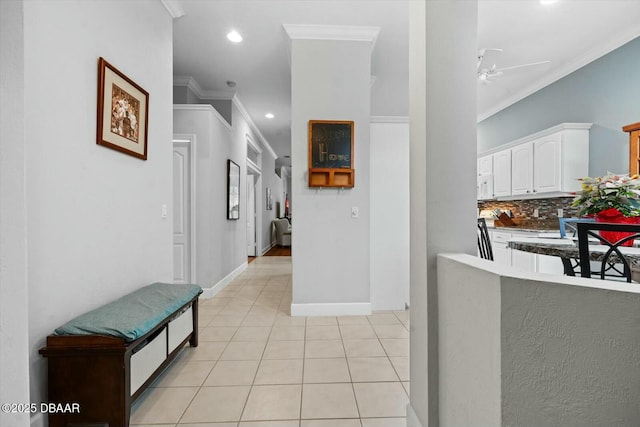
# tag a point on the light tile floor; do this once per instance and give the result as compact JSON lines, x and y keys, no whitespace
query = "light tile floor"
{"x":256,"y":366}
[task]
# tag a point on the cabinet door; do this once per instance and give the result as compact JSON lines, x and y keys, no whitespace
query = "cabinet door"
{"x":501,"y":252}
{"x":547,"y":163}
{"x":485,"y":187}
{"x":485,"y":165}
{"x":522,"y":169}
{"x":502,"y":173}
{"x":524,"y":261}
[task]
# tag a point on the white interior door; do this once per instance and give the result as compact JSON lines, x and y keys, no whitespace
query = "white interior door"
{"x":251,"y":216}
{"x":182,"y":213}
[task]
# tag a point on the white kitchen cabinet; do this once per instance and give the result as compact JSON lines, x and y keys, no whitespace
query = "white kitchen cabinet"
{"x":522,"y":169}
{"x":501,"y":252}
{"x":560,"y":160}
{"x":548,"y":163}
{"x":485,"y":165}
{"x":485,"y":187}
{"x":502,"y":173}
{"x":521,"y":260}
{"x":485,"y":178}
{"x":524,"y":261}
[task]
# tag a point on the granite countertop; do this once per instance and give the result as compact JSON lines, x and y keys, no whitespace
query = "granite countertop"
{"x":529,"y":229}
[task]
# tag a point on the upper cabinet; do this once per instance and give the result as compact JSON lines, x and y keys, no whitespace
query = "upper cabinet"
{"x":485,"y":178}
{"x":546,"y":164}
{"x":502,"y":174}
{"x":522,"y":169}
{"x":485,"y":165}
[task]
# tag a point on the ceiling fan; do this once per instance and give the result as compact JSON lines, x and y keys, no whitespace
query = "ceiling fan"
{"x":486,"y":75}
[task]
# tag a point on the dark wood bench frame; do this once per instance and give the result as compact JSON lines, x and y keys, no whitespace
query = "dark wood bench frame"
{"x":95,"y":372}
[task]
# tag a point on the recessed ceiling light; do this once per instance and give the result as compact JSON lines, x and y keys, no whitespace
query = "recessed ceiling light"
{"x":269,"y":116}
{"x":548,"y":2}
{"x":234,"y":36}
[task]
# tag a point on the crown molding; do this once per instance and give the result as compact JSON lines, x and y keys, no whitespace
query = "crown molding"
{"x":193,"y":85}
{"x":236,"y":101}
{"x":389,"y":119}
{"x":332,"y":32}
{"x":174,"y":8}
{"x":538,"y":135}
{"x":203,"y":107}
{"x":596,"y":52}
{"x":209,"y":95}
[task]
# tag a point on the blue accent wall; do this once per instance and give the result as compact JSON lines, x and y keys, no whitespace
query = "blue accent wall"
{"x":605,"y":92}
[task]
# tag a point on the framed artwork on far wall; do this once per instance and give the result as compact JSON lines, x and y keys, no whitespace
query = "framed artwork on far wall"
{"x":269,"y":200}
{"x":233,"y":190}
{"x":123,"y":112}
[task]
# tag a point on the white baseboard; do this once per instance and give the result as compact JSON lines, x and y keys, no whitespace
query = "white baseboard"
{"x":37,"y":420}
{"x":332,"y":309}
{"x":412,"y":418}
{"x":268,"y":248}
{"x":212,"y":291}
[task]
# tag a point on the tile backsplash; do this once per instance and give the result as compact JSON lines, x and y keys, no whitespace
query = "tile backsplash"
{"x":523,"y":211}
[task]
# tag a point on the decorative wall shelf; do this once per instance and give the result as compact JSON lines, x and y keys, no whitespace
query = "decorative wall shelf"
{"x":331,"y":154}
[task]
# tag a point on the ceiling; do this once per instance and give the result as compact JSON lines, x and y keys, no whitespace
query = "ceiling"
{"x":569,"y":33}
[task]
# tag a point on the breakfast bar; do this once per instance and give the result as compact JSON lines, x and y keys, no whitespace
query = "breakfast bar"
{"x":567,"y":250}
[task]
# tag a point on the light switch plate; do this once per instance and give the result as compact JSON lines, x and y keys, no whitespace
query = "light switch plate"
{"x":536,"y":213}
{"x":560,"y":213}
{"x":354,"y":212}
{"x":164,"y":211}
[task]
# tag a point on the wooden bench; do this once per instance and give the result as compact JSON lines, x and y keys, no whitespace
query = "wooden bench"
{"x":106,"y":358}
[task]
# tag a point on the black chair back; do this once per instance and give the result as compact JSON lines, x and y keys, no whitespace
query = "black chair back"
{"x":613,"y":260}
{"x":484,"y":243}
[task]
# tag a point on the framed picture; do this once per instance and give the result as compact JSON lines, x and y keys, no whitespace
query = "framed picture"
{"x":269,"y":200}
{"x":233,"y":190}
{"x":331,"y":153}
{"x":123,"y":112}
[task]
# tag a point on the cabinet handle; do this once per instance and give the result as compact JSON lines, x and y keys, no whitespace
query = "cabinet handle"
{"x":527,"y":191}
{"x":535,"y":191}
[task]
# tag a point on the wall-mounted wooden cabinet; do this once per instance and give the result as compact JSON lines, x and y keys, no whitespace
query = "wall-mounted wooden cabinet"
{"x":634,"y":147}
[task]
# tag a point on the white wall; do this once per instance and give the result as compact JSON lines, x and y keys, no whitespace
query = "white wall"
{"x":389,"y":213}
{"x":94,"y":226}
{"x":443,"y":46}
{"x":214,"y":232}
{"x":14,"y":308}
{"x":535,"y":350}
{"x":330,"y":81}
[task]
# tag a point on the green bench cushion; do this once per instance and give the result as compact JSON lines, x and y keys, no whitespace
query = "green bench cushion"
{"x":133,"y":315}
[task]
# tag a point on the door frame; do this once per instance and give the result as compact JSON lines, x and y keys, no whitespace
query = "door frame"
{"x":253,"y":169}
{"x":189,"y":140}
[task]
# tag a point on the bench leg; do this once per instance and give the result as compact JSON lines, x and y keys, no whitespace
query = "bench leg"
{"x":193,"y":342}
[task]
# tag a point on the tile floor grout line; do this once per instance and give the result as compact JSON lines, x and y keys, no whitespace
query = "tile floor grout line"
{"x":205,"y":380}
{"x":304,"y":362}
{"x":244,"y":407}
{"x":353,"y":387}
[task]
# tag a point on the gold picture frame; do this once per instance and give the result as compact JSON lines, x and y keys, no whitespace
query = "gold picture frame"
{"x":123,"y":112}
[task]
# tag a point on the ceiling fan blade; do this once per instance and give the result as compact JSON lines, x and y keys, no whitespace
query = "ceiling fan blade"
{"x":522,"y":66}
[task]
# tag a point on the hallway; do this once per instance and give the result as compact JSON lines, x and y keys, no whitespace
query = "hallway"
{"x":257,"y":366}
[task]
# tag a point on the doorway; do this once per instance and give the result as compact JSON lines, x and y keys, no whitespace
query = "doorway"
{"x":184,"y":212}
{"x":251,"y":216}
